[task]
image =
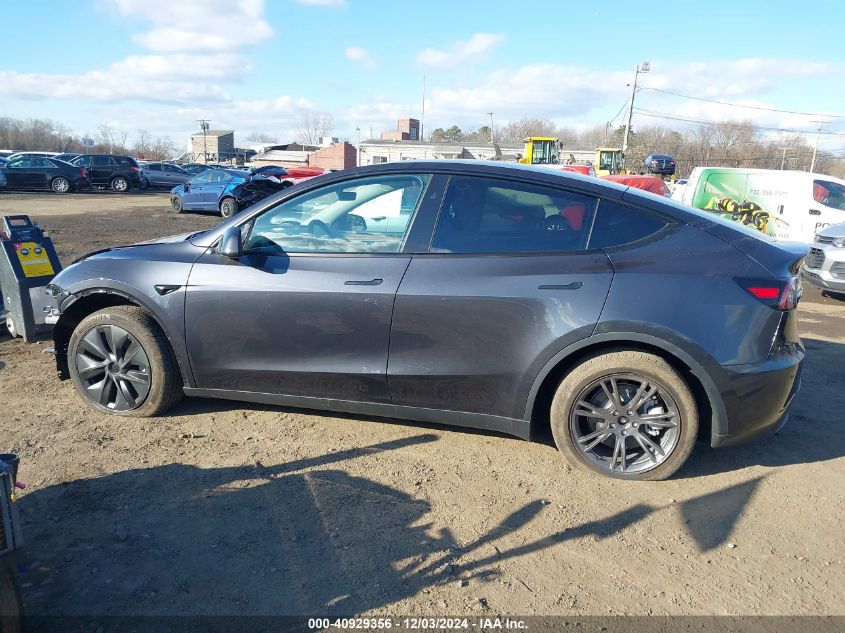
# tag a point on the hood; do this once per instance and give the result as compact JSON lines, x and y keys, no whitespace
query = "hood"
{"x":835,"y":230}
{"x":170,"y":239}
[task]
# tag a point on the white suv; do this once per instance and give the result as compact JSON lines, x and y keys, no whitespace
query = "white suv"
{"x":824,"y":266}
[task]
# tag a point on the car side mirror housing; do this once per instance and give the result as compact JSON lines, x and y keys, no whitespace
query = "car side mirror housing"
{"x":230,"y":243}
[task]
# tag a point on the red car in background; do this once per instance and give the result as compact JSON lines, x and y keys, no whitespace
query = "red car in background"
{"x":646,"y":183}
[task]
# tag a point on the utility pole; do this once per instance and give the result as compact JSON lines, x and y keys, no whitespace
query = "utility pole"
{"x":204,"y":125}
{"x":641,"y":68}
{"x":816,"y":146}
{"x":422,"y":118}
{"x":783,"y":157}
{"x":491,"y":127}
{"x":358,"y":147}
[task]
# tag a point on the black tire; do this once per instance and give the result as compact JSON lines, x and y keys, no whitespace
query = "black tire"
{"x":60,"y":184}
{"x":163,"y":376}
{"x":228,"y":207}
{"x":176,"y":204}
{"x":119,"y":184}
{"x":672,"y":446}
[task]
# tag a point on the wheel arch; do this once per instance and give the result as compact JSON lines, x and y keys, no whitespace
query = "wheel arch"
{"x":88,"y":301}
{"x":712,"y":414}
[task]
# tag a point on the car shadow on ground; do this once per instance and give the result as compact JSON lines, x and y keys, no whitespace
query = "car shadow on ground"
{"x":297,"y":538}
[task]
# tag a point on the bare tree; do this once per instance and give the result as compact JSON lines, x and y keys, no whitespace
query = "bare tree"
{"x":518,"y":131}
{"x":262,"y":137}
{"x":312,"y":127}
{"x":143,"y":140}
{"x":163,"y":148}
{"x":114,"y":140}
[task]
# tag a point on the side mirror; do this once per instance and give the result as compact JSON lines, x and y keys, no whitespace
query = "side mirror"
{"x":186,"y":186}
{"x":230,"y":243}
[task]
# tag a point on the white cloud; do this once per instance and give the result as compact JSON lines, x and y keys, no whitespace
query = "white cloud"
{"x":106,"y":86}
{"x":323,"y":3}
{"x":360,"y":55}
{"x":461,"y":51}
{"x":198,"y":25}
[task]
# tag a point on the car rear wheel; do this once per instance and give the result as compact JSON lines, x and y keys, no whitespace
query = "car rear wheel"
{"x":60,"y":184}
{"x":627,"y":415}
{"x":228,"y":207}
{"x":120,"y":184}
{"x":176,"y":204}
{"x":121,"y":363}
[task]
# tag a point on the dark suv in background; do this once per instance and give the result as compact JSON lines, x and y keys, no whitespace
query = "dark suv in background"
{"x":479,"y":294}
{"x":660,"y":164}
{"x":113,"y":171}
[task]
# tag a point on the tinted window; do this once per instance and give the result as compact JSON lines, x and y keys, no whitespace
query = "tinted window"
{"x":152,"y":167}
{"x":830,"y":194}
{"x":486,"y":215}
{"x":100,"y":161}
{"x":617,"y":224}
{"x":123,"y":161}
{"x":84,"y":161}
{"x":366,"y":215}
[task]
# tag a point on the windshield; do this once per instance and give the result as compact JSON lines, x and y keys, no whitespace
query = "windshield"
{"x":830,"y":194}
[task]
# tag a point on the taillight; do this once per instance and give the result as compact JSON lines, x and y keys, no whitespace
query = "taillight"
{"x":134,"y":168}
{"x":776,"y":293}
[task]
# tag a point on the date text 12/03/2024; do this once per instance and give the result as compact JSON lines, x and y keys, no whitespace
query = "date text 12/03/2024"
{"x":417,"y":624}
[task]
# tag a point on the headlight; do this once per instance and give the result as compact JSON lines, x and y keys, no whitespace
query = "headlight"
{"x":839,"y":241}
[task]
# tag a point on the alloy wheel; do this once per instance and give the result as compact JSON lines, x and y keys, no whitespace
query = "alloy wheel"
{"x":60,"y":185}
{"x":625,"y":423}
{"x":113,"y":368}
{"x":120,"y":184}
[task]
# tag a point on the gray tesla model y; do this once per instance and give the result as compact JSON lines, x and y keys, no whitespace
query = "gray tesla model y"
{"x":477,"y":294}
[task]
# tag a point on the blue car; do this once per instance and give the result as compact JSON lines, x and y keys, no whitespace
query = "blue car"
{"x":210,"y":190}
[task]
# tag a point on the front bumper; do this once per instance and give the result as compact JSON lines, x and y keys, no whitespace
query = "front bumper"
{"x":824,"y":278}
{"x":759,"y":397}
{"x":824,"y":266}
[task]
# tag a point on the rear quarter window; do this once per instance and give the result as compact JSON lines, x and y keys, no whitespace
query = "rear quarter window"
{"x":618,"y":224}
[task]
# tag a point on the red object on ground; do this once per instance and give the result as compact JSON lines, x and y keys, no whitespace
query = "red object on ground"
{"x":646,"y":183}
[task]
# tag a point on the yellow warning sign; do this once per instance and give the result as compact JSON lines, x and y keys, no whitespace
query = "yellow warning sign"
{"x":34,"y":260}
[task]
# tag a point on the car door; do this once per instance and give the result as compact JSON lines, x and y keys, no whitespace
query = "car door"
{"x":100,"y":170}
{"x":173,"y":175}
{"x":305,"y":310}
{"x":215,"y":186}
{"x":507,"y":284}
{"x":194,"y":189}
{"x":154,"y":175}
{"x":18,"y":173}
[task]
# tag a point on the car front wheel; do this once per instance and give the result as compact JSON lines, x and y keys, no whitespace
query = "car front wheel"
{"x":176,"y":204}
{"x":627,"y":415}
{"x":121,"y":363}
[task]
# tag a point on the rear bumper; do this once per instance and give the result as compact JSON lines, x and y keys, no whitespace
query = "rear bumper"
{"x":757,"y":398}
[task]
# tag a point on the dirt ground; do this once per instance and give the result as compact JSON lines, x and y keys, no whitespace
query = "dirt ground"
{"x":223,"y":508}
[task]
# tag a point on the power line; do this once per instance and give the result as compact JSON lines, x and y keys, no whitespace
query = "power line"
{"x":741,"y":105}
{"x":674,"y":117}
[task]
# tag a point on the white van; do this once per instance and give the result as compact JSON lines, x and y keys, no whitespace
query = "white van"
{"x":798,"y":203}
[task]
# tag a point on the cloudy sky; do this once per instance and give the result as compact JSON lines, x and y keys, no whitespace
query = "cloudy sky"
{"x":260,"y":65}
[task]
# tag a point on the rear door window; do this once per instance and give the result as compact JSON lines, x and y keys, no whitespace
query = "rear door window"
{"x":488,"y":215}
{"x":618,"y":224}
{"x":100,"y":161}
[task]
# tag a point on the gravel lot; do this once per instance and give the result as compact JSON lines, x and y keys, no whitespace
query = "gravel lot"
{"x":223,"y":508}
